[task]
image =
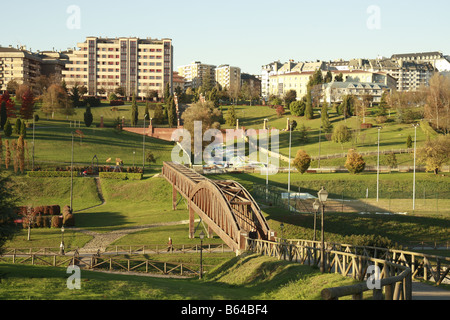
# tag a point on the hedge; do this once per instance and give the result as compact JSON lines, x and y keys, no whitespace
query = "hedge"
{"x":121,"y":175}
{"x":49,"y":174}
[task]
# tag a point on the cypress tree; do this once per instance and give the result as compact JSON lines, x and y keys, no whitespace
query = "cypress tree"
{"x":134,"y":111}
{"x":3,"y":115}
{"x":88,"y":117}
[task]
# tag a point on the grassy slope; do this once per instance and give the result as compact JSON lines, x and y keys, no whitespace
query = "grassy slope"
{"x":258,"y":278}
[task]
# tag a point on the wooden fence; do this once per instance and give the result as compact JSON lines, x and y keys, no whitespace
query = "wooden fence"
{"x":395,"y":279}
{"x":159,"y":249}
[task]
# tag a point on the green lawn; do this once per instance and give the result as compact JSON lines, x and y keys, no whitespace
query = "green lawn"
{"x":251,"y":277}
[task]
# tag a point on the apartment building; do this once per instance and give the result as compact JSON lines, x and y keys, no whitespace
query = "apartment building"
{"x":336,"y":91}
{"x":18,"y":64}
{"x":136,"y":65}
{"x":195,"y":73}
{"x":267,"y":71}
{"x":298,"y":81}
{"x":440,"y":62}
{"x":228,"y":77}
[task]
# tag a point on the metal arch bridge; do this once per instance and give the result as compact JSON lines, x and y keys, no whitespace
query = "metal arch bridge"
{"x":225,"y":206}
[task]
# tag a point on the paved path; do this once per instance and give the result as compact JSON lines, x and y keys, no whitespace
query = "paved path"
{"x":423,"y":291}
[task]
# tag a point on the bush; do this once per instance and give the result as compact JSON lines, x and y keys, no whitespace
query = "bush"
{"x":120,"y":175}
{"x":116,"y":103}
{"x":355,"y":162}
{"x":57,"y":222}
{"x":302,"y":161}
{"x":48,"y":174}
{"x":298,"y":108}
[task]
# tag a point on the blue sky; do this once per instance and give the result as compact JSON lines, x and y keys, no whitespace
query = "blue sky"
{"x":245,"y":33}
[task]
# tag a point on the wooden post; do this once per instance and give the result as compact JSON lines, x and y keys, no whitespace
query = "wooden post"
{"x":191,"y":222}
{"x":174,"y":198}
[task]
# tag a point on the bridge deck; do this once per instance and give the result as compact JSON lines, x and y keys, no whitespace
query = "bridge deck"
{"x":225,"y":206}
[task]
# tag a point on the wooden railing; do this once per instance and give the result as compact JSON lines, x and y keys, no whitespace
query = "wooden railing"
{"x":159,"y":249}
{"x":395,"y":279}
{"x":423,"y":266}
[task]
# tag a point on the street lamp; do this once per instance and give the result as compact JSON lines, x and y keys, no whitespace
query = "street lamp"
{"x":316,"y":206}
{"x":71,"y":178}
{"x":202,"y":236}
{"x":281,"y":228}
{"x":143,"y":146}
{"x":61,"y":246}
{"x":378,"y":164}
{"x":323,"y":196}
{"x":414,"y":175}
{"x":289,"y":172}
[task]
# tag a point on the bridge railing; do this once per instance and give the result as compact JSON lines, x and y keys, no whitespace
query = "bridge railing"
{"x":395,"y":279}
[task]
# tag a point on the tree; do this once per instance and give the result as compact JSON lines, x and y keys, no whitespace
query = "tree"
{"x":134,"y":111}
{"x":3,"y":115}
{"x":171,"y":112}
{"x":339,"y":77}
{"x":435,"y":153}
{"x":150,"y":158}
{"x":280,"y":111}
{"x":158,"y":116}
{"x":328,"y":77}
{"x":7,"y":130}
{"x":341,"y":134}
{"x":409,"y":142}
{"x":88,"y":117}
{"x":7,"y":154}
{"x":437,"y":107}
{"x":56,"y":99}
{"x":309,"y":113}
{"x":9,"y":105}
{"x":120,"y":91}
{"x":303,"y":134}
{"x":302,"y":161}
{"x":75,"y":95}
{"x":355,"y":163}
{"x":26,"y":111}
{"x":12,"y":86}
{"x":17,"y":126}
{"x":20,"y":153}
{"x":8,"y":201}
{"x":289,"y":97}
{"x":346,"y":108}
{"x":326,"y":124}
{"x":167,"y":92}
{"x":298,"y":108}
{"x":146,"y":112}
{"x":231,"y":117}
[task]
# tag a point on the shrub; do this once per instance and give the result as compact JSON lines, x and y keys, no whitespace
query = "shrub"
{"x":355,"y":162}
{"x":120,"y":175}
{"x":302,"y":161}
{"x":48,"y":174}
{"x":298,"y":108}
{"x":57,"y":222}
{"x":69,"y":220}
{"x":113,"y":103}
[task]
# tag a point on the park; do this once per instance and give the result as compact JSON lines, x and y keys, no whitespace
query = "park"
{"x":127,"y":211}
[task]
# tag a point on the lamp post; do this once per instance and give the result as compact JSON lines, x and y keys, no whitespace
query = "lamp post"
{"x":316,"y":206}
{"x":143,"y":146}
{"x":323,"y":195}
{"x":414,"y":174}
{"x":202,"y":236}
{"x":71,"y":179}
{"x":289,"y":172}
{"x":378,"y":164}
{"x":61,"y":246}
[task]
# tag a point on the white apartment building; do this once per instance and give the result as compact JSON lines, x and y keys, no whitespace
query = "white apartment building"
{"x":137,"y":65}
{"x":195,"y":72}
{"x":228,"y":77}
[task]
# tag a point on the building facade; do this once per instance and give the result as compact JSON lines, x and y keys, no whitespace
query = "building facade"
{"x":228,"y":77}
{"x":136,"y":65}
{"x":20,"y":65}
{"x":298,"y":81}
{"x":195,"y":73}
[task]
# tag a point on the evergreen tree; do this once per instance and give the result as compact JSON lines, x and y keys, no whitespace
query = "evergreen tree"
{"x":23,"y":130}
{"x":326,"y":124}
{"x":17,"y":126}
{"x":88,"y":117}
{"x":75,"y":95}
{"x":146,"y":112}
{"x":7,"y":130}
{"x":3,"y":116}
{"x":134,"y":111}
{"x":409,"y":142}
{"x":309,"y":114}
{"x":158,"y":116}
{"x":171,"y":112}
{"x":355,"y":163}
{"x":231,"y":117}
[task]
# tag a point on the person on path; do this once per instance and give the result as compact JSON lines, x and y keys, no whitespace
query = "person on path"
{"x":169,"y":245}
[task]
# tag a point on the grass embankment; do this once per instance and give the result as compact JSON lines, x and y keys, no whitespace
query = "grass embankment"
{"x":250,"y":277}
